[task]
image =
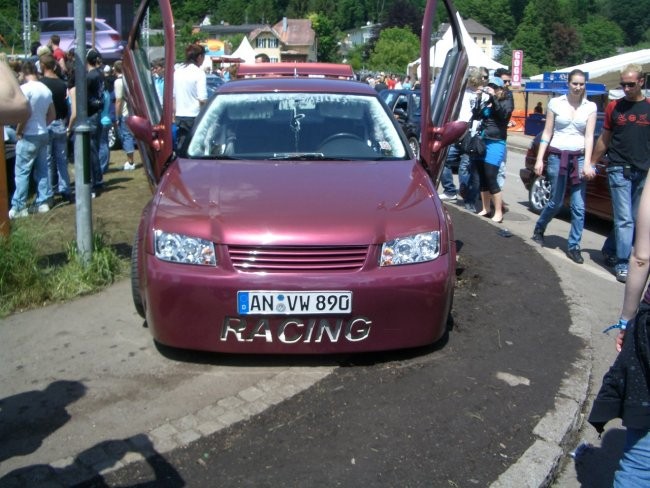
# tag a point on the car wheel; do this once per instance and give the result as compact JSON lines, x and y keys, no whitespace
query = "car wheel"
{"x":539,"y":194}
{"x":135,"y":278}
{"x":112,"y":138}
{"x":415,"y":145}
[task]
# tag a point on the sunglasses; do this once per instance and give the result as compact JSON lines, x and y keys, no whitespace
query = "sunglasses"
{"x":630,"y":84}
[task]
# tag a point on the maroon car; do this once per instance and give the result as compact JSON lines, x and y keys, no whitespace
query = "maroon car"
{"x":297,"y":218}
{"x":597,"y":200}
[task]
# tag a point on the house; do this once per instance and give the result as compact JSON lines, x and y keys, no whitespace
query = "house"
{"x":288,"y":40}
{"x":481,"y":35}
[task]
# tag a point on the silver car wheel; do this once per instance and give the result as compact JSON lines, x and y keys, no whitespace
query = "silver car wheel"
{"x":415,"y":145}
{"x":539,"y":194}
{"x":112,"y":138}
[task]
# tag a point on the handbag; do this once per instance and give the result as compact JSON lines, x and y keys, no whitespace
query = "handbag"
{"x":473,"y":145}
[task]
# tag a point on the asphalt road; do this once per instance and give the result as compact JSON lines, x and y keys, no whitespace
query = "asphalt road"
{"x":460,"y":414}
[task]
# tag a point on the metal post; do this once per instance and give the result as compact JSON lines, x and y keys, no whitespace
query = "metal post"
{"x":82,"y":141}
{"x":27,"y":28}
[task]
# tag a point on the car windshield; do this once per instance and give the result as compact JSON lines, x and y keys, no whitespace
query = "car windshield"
{"x":296,"y":126}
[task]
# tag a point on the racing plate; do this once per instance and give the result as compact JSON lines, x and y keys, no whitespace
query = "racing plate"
{"x":294,"y":302}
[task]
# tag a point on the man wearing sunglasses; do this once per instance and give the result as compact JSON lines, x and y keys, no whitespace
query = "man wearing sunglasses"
{"x":626,"y":140}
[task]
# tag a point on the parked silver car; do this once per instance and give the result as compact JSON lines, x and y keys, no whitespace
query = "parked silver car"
{"x":108,"y":41}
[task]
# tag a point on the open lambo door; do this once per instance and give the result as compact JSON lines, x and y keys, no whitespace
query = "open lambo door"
{"x":150,"y":95}
{"x":441,"y":95}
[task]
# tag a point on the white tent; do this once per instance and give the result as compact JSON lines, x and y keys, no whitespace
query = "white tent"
{"x":607,"y":70}
{"x":245,"y":51}
{"x":439,"y":51}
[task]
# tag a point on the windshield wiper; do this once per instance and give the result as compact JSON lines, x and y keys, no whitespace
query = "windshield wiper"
{"x":305,"y":156}
{"x":214,"y":156}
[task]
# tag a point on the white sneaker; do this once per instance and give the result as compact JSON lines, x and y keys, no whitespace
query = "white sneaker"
{"x":447,"y":198}
{"x":129,"y":166}
{"x":17,"y":214}
{"x":43,"y":208}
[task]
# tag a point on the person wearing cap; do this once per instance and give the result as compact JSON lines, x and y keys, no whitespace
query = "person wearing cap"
{"x":494,"y":115}
{"x":506,"y":77}
{"x":190,"y":91}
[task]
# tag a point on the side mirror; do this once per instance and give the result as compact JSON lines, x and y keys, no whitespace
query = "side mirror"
{"x":141,"y":128}
{"x":450,"y":133}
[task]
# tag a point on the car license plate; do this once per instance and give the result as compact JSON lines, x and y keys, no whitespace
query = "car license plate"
{"x":294,"y":302}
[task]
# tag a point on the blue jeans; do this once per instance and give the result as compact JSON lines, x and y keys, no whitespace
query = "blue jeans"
{"x":96,"y":176}
{"x":31,"y":154}
{"x":128,"y":143}
{"x":577,"y":200}
{"x":501,"y":177}
{"x":447,"y":177}
{"x":58,"y":157}
{"x":104,"y":151}
{"x":634,"y":467}
{"x":625,"y":191}
{"x":469,"y":179}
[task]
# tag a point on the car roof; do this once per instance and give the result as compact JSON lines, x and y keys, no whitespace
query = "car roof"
{"x":97,"y":19}
{"x":318,"y":85}
{"x":309,"y":70}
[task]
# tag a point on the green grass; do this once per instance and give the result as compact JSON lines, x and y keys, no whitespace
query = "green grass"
{"x":28,"y":279}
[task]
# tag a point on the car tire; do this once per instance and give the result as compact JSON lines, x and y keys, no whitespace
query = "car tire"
{"x":539,"y":194}
{"x":113,"y":140}
{"x":415,"y":145}
{"x":135,"y":278}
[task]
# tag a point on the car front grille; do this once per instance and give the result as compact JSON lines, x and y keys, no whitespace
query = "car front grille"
{"x":297,"y":259}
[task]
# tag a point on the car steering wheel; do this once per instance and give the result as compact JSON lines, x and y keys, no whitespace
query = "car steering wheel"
{"x":341,"y":135}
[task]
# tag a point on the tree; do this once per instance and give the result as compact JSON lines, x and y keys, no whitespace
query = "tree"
{"x":350,"y":14}
{"x":404,"y":14}
{"x":297,"y":9}
{"x":494,"y":15}
{"x":395,"y":48}
{"x":632,"y":17}
{"x":327,"y":35}
{"x":566,"y":48}
{"x":600,"y":38}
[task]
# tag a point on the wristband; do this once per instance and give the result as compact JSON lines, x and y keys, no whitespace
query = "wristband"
{"x":621,"y":324}
{"x":543,"y":141}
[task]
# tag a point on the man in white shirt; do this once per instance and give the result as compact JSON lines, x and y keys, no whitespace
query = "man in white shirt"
{"x":190,"y":91}
{"x":32,"y":146}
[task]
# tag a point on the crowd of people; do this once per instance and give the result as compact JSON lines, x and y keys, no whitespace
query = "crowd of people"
{"x":43,"y":141}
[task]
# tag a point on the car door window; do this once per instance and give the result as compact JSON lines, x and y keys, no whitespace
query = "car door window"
{"x":143,"y":53}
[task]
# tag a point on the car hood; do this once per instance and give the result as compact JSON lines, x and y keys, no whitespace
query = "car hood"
{"x":296,"y":203}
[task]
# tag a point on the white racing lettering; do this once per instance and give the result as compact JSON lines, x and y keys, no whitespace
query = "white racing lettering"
{"x":295,"y":330}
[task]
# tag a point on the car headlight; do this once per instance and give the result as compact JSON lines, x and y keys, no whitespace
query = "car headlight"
{"x":179,"y":248}
{"x":418,"y":248}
